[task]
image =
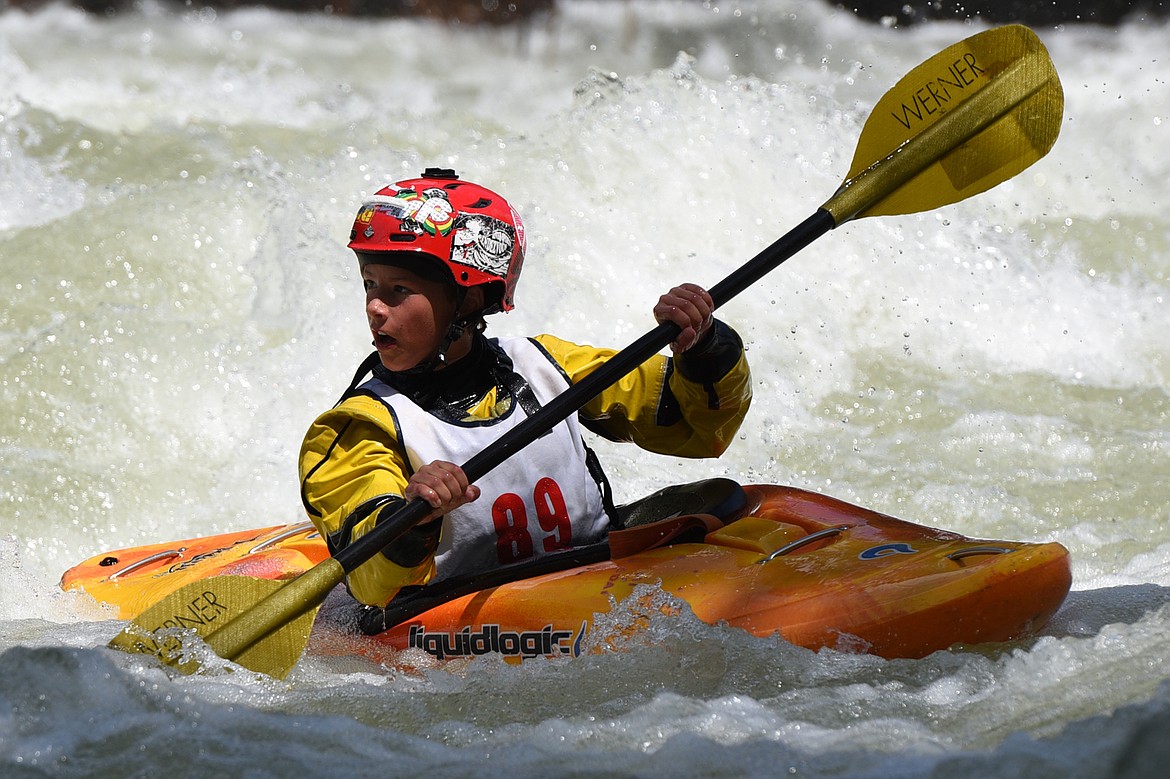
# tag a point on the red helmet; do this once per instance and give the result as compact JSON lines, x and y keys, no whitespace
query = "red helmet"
{"x":467,"y":228}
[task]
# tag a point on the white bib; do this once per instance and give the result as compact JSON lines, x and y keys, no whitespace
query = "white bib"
{"x":541,"y":500}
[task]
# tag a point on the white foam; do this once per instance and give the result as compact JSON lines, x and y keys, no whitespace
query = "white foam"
{"x":183,"y":305}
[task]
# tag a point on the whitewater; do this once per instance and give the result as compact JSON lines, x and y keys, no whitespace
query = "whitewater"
{"x":176,"y":192}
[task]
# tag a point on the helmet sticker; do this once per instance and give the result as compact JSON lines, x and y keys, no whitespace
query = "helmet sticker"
{"x":484,"y":243}
{"x":429,"y":212}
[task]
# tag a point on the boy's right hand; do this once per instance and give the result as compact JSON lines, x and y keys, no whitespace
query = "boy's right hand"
{"x":443,"y":485}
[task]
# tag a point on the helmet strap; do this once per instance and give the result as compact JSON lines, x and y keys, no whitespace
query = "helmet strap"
{"x":455,"y":331}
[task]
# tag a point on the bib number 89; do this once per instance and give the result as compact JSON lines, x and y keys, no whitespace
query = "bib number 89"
{"x":510,"y":517}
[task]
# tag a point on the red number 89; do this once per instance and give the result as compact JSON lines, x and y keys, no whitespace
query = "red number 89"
{"x":513,"y":539}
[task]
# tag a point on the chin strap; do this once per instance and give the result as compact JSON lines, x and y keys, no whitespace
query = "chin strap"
{"x":455,"y":331}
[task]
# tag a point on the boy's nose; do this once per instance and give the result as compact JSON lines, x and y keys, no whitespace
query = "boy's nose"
{"x":376,"y":306}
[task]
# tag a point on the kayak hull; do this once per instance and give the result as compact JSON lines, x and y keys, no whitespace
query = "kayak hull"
{"x":820,"y":572}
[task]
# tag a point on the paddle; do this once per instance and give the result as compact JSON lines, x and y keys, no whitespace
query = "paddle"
{"x":968,"y":118}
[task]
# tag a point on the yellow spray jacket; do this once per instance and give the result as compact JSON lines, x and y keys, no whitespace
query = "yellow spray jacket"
{"x":352,"y":466}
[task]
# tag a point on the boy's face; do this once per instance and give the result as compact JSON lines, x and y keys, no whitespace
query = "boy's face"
{"x":408,"y":315}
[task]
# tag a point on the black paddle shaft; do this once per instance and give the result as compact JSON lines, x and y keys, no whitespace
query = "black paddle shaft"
{"x":572,"y":399}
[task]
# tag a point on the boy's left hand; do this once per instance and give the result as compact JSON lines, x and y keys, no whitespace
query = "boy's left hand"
{"x":690,"y":307}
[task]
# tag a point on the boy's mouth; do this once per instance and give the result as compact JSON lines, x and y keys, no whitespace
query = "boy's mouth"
{"x":382,"y":341}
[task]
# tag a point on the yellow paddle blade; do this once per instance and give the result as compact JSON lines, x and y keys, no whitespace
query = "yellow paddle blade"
{"x":261,"y":624}
{"x":967,"y":119}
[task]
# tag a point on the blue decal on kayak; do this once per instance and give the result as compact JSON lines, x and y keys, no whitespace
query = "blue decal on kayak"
{"x":580,"y":638}
{"x":885,"y":550}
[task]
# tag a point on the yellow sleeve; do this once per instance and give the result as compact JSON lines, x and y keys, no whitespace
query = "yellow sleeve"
{"x":350,"y":465}
{"x":656,"y":406}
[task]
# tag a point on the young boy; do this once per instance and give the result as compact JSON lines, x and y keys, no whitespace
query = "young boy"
{"x":437,"y":255}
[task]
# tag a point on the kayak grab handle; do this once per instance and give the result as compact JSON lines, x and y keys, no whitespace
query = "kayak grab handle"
{"x":972,"y":551}
{"x":811,"y":538}
{"x":288,"y":533}
{"x":145,"y":561}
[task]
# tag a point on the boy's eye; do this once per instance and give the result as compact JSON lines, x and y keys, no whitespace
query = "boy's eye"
{"x":397,"y":290}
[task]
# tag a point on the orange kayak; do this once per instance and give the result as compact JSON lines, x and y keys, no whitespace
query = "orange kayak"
{"x":818,"y":571}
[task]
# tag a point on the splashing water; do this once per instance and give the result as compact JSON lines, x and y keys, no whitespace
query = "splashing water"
{"x":175,"y":195}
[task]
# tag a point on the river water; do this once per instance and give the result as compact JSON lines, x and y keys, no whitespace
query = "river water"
{"x":176,"y":191}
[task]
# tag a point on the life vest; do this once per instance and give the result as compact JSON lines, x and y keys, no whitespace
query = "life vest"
{"x":545,"y":499}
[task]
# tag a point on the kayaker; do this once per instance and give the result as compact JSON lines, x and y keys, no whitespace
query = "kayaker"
{"x":437,"y":254}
